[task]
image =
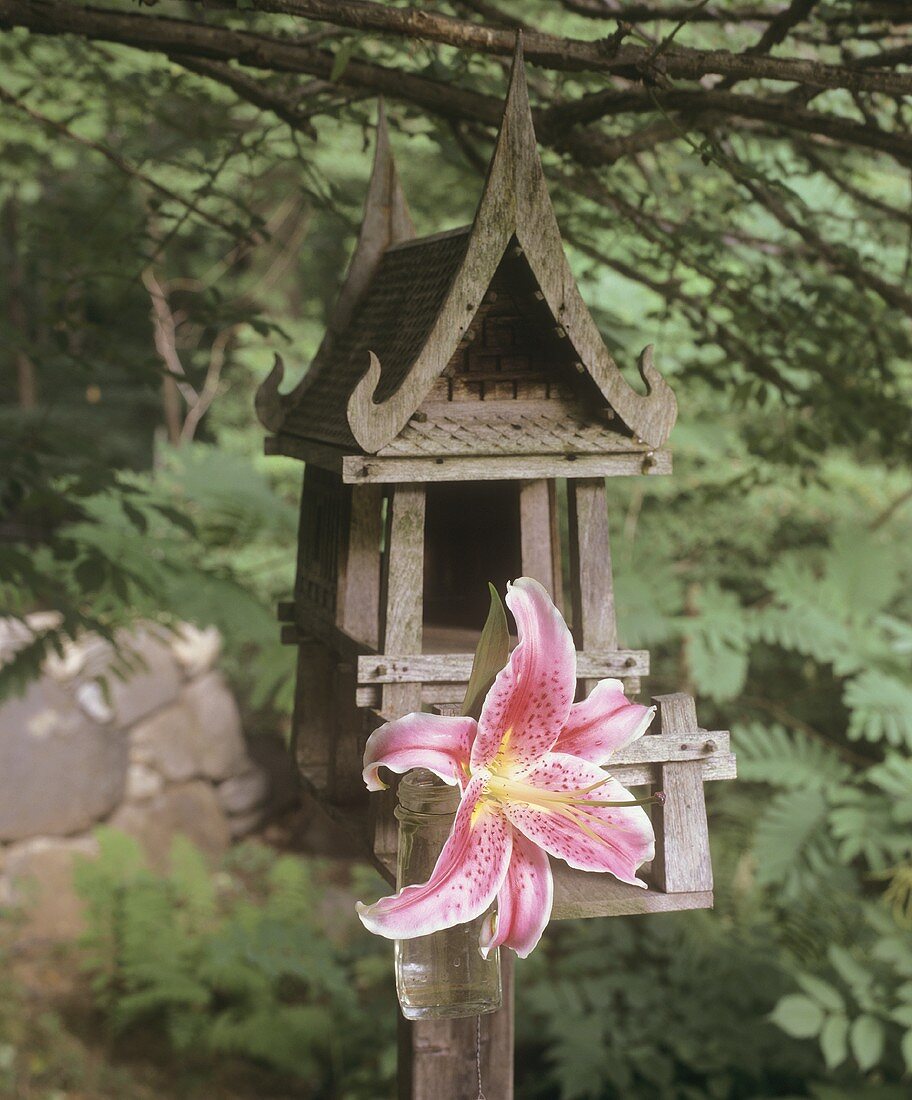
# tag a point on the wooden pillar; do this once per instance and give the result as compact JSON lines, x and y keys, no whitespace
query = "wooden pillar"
{"x":539,"y":535}
{"x":358,"y":584}
{"x":592,"y":591}
{"x":402,"y":590}
{"x":436,"y":1057}
{"x":682,"y":860}
{"x":358,"y":615}
{"x":312,"y":722}
{"x":442,"y":1053}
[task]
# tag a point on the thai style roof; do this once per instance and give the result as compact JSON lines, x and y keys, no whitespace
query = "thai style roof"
{"x":408,"y":305}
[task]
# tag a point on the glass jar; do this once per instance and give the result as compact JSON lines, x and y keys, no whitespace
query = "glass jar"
{"x":440,"y":976}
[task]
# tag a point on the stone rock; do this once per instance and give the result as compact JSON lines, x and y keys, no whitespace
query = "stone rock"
{"x":154,"y":679}
{"x":196,"y":650}
{"x":222,"y":751}
{"x":92,"y":702}
{"x":142,"y":782}
{"x":198,"y":736}
{"x":241,"y":825}
{"x":59,"y":772}
{"x":169,"y":742}
{"x":38,"y":879}
{"x":243,"y":793}
{"x":186,"y":809}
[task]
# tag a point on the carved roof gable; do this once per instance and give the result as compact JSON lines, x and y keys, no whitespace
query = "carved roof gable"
{"x":413,"y":311}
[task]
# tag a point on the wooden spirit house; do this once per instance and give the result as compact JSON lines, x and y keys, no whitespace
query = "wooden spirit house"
{"x":461,"y":397}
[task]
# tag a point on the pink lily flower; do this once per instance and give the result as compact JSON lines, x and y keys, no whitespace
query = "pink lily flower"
{"x":530,"y":772}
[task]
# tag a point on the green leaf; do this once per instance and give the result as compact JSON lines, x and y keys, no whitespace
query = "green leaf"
{"x":822,"y":992}
{"x":833,"y":1040}
{"x":784,"y":832}
{"x":850,"y":970}
{"x":491,"y":655}
{"x":798,"y":1016}
{"x":867,"y":1039}
{"x":881,"y":708}
{"x":341,"y":60}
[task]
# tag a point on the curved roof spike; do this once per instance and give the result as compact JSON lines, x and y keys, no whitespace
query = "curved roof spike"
{"x":515,"y":203}
{"x":386,"y":221}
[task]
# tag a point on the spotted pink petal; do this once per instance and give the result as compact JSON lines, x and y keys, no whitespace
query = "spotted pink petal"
{"x":523,"y":902}
{"x":434,"y":741}
{"x":469,"y":872}
{"x":529,"y":702}
{"x":588,"y":837}
{"x":603,"y":723}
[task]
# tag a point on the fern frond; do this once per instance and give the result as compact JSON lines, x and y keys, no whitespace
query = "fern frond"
{"x":784,"y":831}
{"x":881,"y":707}
{"x":790,"y":760}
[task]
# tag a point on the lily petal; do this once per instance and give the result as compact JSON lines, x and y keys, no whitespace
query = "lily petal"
{"x":523,"y":903}
{"x":437,"y":742}
{"x":529,"y":702}
{"x":587,"y":836}
{"x":469,"y":872}
{"x":603,"y":723}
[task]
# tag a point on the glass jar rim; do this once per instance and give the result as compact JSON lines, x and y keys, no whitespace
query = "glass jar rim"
{"x":420,"y":791}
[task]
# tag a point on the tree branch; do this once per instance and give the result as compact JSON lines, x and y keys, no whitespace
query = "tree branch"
{"x":777,"y":112}
{"x":549,"y":51}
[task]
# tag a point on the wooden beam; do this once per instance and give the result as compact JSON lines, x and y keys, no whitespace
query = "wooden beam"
{"x":323,"y":455}
{"x":682,"y":862}
{"x":358,"y":593}
{"x":443,"y":1052}
{"x":536,"y":531}
{"x":403,"y":583}
{"x":381,"y":668}
{"x":591,"y":584}
{"x":312,"y":721}
{"x":585,"y":894}
{"x":357,"y":470}
{"x":401,"y":603}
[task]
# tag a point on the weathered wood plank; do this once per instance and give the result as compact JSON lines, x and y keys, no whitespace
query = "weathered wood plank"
{"x":357,"y":470}
{"x":401,"y":608}
{"x":715,"y":767}
{"x":371,"y":695}
{"x":443,"y":1052}
{"x":323,"y":455}
{"x":358,"y":593}
{"x":584,"y":894}
{"x":535,"y":531}
{"x":682,"y":862}
{"x":403,"y":576}
{"x":312,"y":722}
{"x":428,"y":668}
{"x":320,"y":629}
{"x":591,"y":584}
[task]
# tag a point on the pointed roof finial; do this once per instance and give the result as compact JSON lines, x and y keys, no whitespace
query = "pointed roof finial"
{"x":386,"y":221}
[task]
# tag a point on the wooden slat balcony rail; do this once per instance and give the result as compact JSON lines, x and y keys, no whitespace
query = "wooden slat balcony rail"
{"x":453,"y":668}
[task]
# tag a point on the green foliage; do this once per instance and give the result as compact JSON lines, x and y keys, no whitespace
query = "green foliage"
{"x":238,"y":963}
{"x":771,"y":575}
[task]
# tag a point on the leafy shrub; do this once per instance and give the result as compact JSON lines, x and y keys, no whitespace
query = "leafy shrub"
{"x":241,"y":962}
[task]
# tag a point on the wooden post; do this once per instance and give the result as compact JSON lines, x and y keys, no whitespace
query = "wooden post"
{"x":402,"y":590}
{"x":682,"y":860}
{"x":358,"y":585}
{"x":358,"y":615}
{"x":312,"y":721}
{"x":592,"y":591}
{"x":539,"y":536}
{"x":442,"y":1053}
